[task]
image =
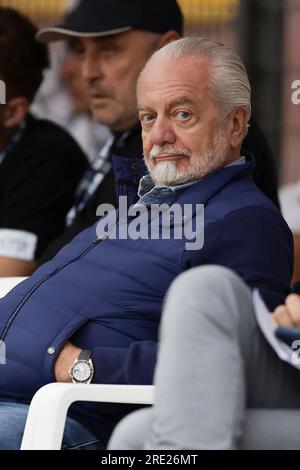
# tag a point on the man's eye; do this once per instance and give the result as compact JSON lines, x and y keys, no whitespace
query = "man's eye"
{"x":146,"y":118}
{"x":183,"y":115}
{"x":78,"y":50}
{"x":108,"y":50}
{"x":76,"y":47}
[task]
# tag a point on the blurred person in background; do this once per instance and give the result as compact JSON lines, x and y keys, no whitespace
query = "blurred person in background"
{"x":230,"y":387}
{"x":82,"y":126}
{"x":63,"y":99}
{"x":40,"y":164}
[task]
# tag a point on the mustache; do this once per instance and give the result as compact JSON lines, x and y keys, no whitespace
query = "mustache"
{"x":95,"y":89}
{"x":169,"y":150}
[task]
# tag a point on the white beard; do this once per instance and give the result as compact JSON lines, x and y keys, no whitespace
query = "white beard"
{"x":167,"y":174}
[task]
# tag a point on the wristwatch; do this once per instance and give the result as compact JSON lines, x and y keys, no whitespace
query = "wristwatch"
{"x":82,"y":370}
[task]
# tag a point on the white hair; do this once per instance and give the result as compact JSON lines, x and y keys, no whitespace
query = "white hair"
{"x":229,"y":84}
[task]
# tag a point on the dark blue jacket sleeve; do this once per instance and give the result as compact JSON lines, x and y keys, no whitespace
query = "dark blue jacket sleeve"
{"x":133,"y":365}
{"x":257,"y":244}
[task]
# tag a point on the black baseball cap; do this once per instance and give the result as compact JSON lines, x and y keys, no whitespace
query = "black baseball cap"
{"x":94,"y":18}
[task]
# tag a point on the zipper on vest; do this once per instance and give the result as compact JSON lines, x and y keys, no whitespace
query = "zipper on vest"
{"x":36,"y":286}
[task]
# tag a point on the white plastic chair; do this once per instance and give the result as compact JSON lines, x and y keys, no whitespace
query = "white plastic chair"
{"x":48,"y":409}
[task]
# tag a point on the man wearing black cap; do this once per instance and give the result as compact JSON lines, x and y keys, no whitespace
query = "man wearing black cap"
{"x":114,"y":39}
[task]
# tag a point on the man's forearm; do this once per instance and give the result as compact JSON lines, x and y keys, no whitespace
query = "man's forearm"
{"x":132,"y":365}
{"x":64,"y":362}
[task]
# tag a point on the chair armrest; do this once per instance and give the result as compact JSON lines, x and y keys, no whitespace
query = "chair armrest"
{"x":48,"y":409}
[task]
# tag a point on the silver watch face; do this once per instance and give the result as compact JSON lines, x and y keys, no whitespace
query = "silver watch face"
{"x":81,"y":371}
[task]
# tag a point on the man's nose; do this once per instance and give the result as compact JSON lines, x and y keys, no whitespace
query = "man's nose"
{"x":162,"y":133}
{"x":67,"y":70}
{"x":91,"y":67}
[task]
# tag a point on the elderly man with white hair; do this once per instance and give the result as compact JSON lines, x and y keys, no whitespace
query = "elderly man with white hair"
{"x":92,"y":313}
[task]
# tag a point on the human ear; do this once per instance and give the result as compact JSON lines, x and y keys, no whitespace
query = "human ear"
{"x":16,"y":111}
{"x":169,"y":36}
{"x":238,"y":120}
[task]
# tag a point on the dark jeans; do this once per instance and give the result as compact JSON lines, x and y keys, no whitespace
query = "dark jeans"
{"x":12,"y":423}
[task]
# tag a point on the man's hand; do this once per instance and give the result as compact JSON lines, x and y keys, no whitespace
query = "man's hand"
{"x":65,"y":361}
{"x":288,"y":315}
